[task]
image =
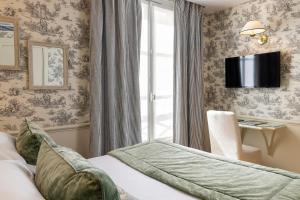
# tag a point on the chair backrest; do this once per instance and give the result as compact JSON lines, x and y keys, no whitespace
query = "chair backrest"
{"x":225,"y":133}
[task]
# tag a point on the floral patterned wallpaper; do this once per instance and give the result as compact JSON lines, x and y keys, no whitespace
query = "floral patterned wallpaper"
{"x":222,"y":39}
{"x":54,"y":21}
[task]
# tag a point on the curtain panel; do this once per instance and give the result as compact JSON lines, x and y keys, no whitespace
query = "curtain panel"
{"x":114,"y":74}
{"x":188,"y":81}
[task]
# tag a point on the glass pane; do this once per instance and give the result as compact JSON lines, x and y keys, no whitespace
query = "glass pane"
{"x":7,"y":44}
{"x":163,"y":31}
{"x":164,"y":117}
{"x":48,"y":66}
{"x":163,"y":75}
{"x":144,"y":36}
{"x":144,"y":73}
{"x":163,"y":25}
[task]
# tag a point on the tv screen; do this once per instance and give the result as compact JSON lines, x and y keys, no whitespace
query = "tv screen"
{"x":253,"y":71}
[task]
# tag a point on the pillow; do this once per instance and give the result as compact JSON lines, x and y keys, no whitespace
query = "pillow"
{"x":8,"y":149}
{"x":64,"y":174}
{"x":17,"y":182}
{"x":29,"y":141}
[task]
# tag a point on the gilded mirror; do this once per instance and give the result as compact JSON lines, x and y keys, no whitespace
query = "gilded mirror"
{"x":9,"y":43}
{"x":47,"y":66}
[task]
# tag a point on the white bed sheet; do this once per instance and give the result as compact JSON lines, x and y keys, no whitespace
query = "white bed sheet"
{"x":17,"y":182}
{"x":135,"y":183}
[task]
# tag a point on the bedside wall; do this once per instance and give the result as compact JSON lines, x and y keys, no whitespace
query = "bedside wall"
{"x":76,"y":137}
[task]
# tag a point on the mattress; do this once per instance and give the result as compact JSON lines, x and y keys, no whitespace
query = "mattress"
{"x":135,"y":183}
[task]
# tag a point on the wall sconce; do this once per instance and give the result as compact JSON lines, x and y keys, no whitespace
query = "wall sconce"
{"x":253,"y":28}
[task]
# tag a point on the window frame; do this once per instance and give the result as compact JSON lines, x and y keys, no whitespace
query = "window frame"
{"x":166,"y":4}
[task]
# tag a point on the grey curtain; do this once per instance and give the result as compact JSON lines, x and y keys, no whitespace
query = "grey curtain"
{"x":188,"y":82}
{"x":114,"y":84}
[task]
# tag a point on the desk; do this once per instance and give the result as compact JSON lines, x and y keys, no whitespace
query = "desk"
{"x":263,"y":127}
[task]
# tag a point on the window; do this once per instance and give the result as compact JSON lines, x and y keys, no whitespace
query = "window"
{"x":156,"y":70}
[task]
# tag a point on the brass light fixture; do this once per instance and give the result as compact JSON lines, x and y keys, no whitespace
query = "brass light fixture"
{"x":254,"y":29}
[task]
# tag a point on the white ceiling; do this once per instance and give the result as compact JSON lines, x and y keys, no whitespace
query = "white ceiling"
{"x":216,"y":5}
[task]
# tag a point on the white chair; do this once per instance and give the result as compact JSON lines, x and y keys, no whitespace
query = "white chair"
{"x":225,"y":138}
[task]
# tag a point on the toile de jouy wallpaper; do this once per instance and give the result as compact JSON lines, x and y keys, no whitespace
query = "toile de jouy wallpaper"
{"x":54,"y":21}
{"x":222,"y":39}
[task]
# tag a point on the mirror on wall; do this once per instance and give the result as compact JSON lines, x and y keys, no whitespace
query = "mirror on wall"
{"x":48,"y":67}
{"x":9,"y":43}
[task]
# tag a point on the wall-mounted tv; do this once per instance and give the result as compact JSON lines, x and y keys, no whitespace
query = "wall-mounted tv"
{"x":253,"y":71}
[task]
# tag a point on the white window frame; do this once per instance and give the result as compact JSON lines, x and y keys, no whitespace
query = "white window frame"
{"x":166,"y":4}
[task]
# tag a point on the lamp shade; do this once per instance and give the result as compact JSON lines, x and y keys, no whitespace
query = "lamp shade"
{"x":252,"y":28}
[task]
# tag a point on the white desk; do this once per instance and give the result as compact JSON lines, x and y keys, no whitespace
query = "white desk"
{"x":263,"y":127}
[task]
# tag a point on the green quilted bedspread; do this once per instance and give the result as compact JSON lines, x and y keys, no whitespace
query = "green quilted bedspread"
{"x":209,"y":177}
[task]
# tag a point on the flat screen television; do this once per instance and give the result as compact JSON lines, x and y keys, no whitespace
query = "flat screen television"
{"x":253,"y":71}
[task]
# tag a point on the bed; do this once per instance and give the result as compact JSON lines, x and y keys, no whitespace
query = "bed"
{"x":160,"y":170}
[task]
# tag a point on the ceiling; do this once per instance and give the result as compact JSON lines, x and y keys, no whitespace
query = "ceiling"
{"x":216,"y":5}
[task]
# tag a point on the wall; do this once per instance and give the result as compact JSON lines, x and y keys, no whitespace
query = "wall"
{"x":76,"y":137}
{"x":54,"y":21}
{"x":64,"y":113}
{"x":222,"y":39}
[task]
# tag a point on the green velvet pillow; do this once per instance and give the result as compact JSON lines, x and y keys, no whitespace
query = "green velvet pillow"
{"x":29,"y":140}
{"x":64,"y":174}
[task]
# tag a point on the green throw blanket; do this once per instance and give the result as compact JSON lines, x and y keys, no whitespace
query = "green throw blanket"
{"x":209,"y":177}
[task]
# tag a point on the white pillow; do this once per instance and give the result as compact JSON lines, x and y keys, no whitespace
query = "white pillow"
{"x":8,"y":149}
{"x":16,"y":182}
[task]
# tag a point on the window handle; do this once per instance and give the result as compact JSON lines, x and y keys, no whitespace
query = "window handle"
{"x":152,"y":97}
